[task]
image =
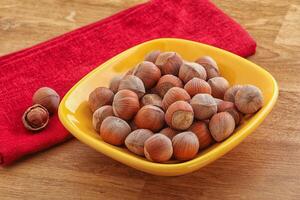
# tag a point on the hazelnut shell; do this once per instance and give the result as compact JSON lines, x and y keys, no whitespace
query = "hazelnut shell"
{"x":100,"y":114}
{"x":35,"y":118}
{"x":200,"y":129}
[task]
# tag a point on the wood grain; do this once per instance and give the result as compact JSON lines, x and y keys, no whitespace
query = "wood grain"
{"x":265,"y":166}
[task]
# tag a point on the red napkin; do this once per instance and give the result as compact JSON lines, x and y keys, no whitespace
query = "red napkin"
{"x":62,"y":61}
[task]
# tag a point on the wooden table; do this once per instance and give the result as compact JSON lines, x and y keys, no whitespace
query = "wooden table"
{"x":265,"y":166}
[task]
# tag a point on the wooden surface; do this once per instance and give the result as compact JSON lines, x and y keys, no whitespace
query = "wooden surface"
{"x":265,"y":166}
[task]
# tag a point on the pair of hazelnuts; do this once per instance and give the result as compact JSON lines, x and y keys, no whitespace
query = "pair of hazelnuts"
{"x":166,"y":107}
{"x":45,"y":103}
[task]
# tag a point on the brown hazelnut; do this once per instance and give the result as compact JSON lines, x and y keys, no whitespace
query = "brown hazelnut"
{"x":224,"y":105}
{"x":170,"y":133}
{"x":136,"y":139}
{"x":158,"y":148}
{"x":179,"y":115}
{"x":218,"y":85}
{"x":151,"y":99}
{"x":189,"y":70}
{"x":148,"y":73}
{"x":100,"y":114}
{"x":35,"y":118}
{"x":237,"y":116}
{"x":152,"y":56}
{"x":204,"y":106}
{"x":185,"y":146}
{"x":150,"y":117}
{"x":202,"y":132}
{"x":210,"y":66}
{"x":99,"y":97}
{"x":114,"y":83}
{"x":174,"y":94}
{"x":48,"y":98}
{"x":114,"y":130}
{"x":126,"y":104}
{"x":231,"y":92}
{"x":166,"y":82}
{"x":169,"y":63}
{"x":248,"y":99}
{"x":196,"y":86}
{"x":221,"y":126}
{"x":133,"y":83}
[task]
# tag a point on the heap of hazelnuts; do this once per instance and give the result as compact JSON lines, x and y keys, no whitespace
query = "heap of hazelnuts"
{"x":166,"y":106}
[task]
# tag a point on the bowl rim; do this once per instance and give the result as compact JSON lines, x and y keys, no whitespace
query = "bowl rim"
{"x":169,"y":169}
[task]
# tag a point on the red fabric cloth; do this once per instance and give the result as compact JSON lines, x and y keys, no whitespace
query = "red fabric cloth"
{"x":62,"y":61}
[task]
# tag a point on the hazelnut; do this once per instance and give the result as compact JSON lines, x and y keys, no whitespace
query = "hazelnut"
{"x":35,"y":118}
{"x":210,"y":66}
{"x":136,"y":139}
{"x":152,"y":99}
{"x":114,"y":83}
{"x":224,"y":105}
{"x":166,"y":82}
{"x":48,"y":98}
{"x":114,"y":130}
{"x":202,"y":132}
{"x":221,"y":126}
{"x":125,"y":104}
{"x":196,"y":86}
{"x":152,"y":56}
{"x":185,"y":146}
{"x":231,"y":92}
{"x":133,"y":83}
{"x":158,"y":148}
{"x":174,"y":94}
{"x":189,"y":70}
{"x":100,"y":114}
{"x":169,"y":63}
{"x":248,"y":99}
{"x":148,"y":73}
{"x":179,"y":115}
{"x":170,"y":133}
{"x":204,"y":106}
{"x":237,"y":116}
{"x":150,"y":117}
{"x":99,"y":97}
{"x":218,"y":85}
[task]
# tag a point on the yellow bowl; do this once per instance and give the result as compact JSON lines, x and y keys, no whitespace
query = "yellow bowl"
{"x":77,"y":118}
